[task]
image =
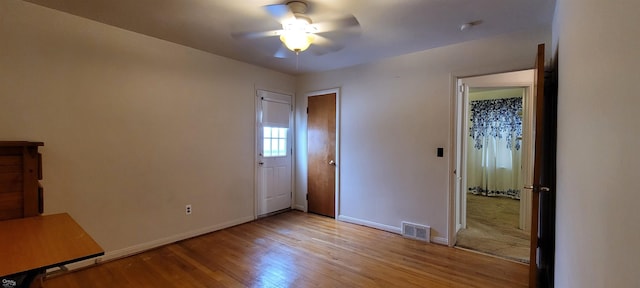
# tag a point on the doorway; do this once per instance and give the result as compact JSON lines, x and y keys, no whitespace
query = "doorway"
{"x":322,"y":163}
{"x":492,"y":161}
{"x":274,"y":153}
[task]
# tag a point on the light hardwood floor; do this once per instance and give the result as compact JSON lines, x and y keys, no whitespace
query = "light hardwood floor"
{"x":296,"y":249}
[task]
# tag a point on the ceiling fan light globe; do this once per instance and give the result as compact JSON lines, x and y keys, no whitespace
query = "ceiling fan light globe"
{"x":296,"y":41}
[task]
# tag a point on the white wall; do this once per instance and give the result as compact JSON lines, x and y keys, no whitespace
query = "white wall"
{"x":395,"y":114}
{"x":134,"y":127}
{"x":598,"y":225}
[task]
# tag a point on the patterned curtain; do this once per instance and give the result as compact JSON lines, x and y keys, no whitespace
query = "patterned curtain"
{"x":494,"y":154}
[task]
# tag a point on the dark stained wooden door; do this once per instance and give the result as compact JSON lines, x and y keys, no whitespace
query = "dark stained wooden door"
{"x":321,"y":154}
{"x":544,"y":182}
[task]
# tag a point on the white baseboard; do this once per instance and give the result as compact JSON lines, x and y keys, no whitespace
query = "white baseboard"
{"x":440,"y":240}
{"x":388,"y":228}
{"x":121,"y":253}
{"x":299,"y":207}
{"x":371,"y":224}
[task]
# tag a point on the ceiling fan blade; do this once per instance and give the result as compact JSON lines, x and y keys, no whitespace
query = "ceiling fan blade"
{"x":280,"y":12}
{"x":256,"y":34}
{"x":343,"y":23}
{"x":283,"y":52}
{"x":324,"y":45}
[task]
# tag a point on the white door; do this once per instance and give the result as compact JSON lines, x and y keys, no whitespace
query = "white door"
{"x":459,"y":170}
{"x":274,"y":152}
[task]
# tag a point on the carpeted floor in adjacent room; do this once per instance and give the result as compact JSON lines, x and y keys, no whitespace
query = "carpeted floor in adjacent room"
{"x":492,"y":228}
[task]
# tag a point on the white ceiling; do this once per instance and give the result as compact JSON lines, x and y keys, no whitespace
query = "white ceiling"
{"x":388,"y":27}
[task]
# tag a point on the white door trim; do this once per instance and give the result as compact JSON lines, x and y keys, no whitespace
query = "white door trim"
{"x":338,"y":162}
{"x":457,"y":198}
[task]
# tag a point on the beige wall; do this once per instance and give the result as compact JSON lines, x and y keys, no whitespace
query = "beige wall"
{"x":134,"y":127}
{"x":395,"y":113}
{"x":598,"y":224}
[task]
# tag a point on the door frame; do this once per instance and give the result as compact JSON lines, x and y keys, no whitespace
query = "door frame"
{"x":338,"y":162}
{"x":256,"y":146}
{"x":457,"y":197}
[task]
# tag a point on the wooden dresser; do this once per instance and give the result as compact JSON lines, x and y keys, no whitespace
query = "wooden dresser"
{"x":20,"y":169}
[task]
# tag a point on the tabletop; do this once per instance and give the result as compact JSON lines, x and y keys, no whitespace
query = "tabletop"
{"x":43,"y":242}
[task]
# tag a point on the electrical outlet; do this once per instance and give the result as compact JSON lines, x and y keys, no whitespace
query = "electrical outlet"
{"x":187,"y":209}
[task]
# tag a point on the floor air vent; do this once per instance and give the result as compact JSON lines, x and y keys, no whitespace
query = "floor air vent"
{"x":416,"y":231}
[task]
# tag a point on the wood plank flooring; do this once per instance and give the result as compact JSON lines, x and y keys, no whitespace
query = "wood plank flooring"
{"x":296,"y":249}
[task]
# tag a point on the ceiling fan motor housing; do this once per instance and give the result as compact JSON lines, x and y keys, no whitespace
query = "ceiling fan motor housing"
{"x":297,"y":7}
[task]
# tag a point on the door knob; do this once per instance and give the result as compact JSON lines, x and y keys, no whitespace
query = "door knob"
{"x":543,"y":189}
{"x":332,"y":163}
{"x":260,"y":163}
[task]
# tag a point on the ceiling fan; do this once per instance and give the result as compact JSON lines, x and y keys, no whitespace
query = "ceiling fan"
{"x":299,"y":32}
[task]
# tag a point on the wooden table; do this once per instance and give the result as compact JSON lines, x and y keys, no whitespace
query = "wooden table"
{"x":34,"y":244}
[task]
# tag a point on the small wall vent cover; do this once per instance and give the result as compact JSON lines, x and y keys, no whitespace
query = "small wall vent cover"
{"x":416,"y":231}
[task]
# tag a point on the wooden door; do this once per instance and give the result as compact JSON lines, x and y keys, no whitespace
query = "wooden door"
{"x":543,"y":203}
{"x":321,"y":154}
{"x":274,"y":153}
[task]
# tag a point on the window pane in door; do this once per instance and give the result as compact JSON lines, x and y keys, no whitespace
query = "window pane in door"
{"x":274,"y":142}
{"x":274,"y":147}
{"x":282,"y":147}
{"x":266,"y":149}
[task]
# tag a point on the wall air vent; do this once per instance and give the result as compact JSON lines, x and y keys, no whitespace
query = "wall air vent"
{"x":416,"y":231}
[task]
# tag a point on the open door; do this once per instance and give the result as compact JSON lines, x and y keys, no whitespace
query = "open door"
{"x":482,"y":84}
{"x":544,"y":183}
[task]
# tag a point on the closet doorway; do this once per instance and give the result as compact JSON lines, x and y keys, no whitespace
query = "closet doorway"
{"x":493,"y":159}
